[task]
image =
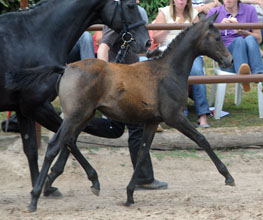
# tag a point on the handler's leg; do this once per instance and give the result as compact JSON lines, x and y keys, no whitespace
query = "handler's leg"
{"x":145,"y":178}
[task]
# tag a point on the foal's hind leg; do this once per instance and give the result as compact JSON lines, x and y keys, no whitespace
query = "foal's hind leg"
{"x":147,"y":138}
{"x":59,"y":166}
{"x":182,"y":124}
{"x":47,"y":117}
{"x":58,"y":169}
{"x":71,"y":127}
{"x":58,"y":141}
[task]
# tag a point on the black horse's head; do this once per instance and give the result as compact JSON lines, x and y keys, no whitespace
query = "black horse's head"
{"x":124,"y":16}
{"x":211,"y":44}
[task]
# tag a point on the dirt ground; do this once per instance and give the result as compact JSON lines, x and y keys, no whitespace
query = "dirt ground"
{"x":196,"y":190}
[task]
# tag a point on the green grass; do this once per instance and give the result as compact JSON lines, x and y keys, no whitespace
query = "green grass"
{"x":244,"y":115}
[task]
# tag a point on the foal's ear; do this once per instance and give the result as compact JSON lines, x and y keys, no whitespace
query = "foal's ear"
{"x":211,"y":19}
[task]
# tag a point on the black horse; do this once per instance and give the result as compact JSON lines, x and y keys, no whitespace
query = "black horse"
{"x":44,"y":34}
{"x":147,"y":92}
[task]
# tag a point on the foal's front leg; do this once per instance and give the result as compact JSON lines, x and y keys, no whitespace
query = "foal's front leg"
{"x":147,"y":138}
{"x":181,"y":123}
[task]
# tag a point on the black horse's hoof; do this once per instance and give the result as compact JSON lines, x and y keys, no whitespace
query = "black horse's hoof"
{"x":95,"y":191}
{"x":53,"y":192}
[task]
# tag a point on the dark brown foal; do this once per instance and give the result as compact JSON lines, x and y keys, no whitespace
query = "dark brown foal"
{"x":148,"y":92}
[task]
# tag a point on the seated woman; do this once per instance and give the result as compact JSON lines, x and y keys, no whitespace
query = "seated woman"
{"x":182,"y":12}
{"x":242,"y":44}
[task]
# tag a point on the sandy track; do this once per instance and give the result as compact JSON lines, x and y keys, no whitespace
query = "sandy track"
{"x":196,"y":190}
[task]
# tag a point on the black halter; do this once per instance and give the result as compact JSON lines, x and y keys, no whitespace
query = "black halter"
{"x":127,"y":37}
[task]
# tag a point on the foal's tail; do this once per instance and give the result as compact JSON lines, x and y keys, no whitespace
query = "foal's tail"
{"x":27,"y":78}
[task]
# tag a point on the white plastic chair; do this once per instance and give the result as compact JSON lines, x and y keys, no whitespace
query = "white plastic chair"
{"x":220,"y":90}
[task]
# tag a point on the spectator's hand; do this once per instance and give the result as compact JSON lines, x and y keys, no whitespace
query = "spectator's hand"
{"x":229,"y":20}
{"x":242,"y":32}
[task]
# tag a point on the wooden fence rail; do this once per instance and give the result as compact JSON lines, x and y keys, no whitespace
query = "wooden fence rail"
{"x":208,"y":79}
{"x":98,"y":27}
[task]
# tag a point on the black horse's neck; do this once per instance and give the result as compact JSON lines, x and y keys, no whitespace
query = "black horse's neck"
{"x":71,"y":18}
{"x":181,"y":52}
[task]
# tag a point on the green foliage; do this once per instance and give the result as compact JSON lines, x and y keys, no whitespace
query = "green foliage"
{"x":13,"y":5}
{"x":151,"y":6}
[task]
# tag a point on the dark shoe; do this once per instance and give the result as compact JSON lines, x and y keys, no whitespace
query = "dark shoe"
{"x":156,"y":184}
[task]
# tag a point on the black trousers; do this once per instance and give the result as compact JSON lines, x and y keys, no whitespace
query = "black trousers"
{"x":105,"y":127}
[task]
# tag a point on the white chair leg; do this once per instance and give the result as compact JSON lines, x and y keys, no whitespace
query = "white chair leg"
{"x":238,"y":94}
{"x":212,"y":95}
{"x":260,"y":100}
{"x":219,"y":102}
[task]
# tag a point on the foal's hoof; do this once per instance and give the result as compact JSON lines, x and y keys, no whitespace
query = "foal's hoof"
{"x":53,"y":192}
{"x":128,"y":203}
{"x":95,"y":191}
{"x":231,"y":183}
{"x":31,"y":208}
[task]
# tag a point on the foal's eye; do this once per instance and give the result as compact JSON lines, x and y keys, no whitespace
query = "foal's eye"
{"x":217,"y":38}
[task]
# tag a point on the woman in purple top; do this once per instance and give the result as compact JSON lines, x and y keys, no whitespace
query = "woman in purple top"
{"x":242,"y":44}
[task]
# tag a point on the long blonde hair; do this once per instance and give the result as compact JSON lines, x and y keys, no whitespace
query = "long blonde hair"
{"x":188,"y":11}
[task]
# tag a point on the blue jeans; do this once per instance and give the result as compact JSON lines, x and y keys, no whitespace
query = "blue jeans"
{"x":199,"y":90}
{"x":83,"y":49}
{"x":245,"y":50}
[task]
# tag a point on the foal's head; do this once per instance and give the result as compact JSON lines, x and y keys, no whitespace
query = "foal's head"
{"x":211,"y":44}
{"x":124,"y":14}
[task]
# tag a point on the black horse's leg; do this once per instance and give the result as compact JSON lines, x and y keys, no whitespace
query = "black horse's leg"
{"x":182,"y":124}
{"x":29,"y":140}
{"x":147,"y":138}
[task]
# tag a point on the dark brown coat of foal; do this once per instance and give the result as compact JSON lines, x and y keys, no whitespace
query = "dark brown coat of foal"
{"x":146,"y":92}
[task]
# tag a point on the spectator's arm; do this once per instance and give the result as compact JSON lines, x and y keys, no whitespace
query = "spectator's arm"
{"x":206,"y":7}
{"x":103,"y":52}
{"x":258,"y":2}
{"x":255,"y":32}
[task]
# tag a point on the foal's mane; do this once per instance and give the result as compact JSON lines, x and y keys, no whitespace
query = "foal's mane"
{"x":176,"y":41}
